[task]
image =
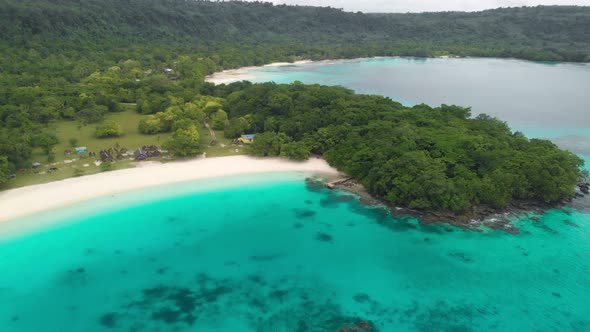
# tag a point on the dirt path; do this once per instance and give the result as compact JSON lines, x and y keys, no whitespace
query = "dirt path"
{"x":212,"y":133}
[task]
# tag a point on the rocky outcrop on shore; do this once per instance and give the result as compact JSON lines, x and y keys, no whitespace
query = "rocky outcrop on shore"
{"x":477,"y":216}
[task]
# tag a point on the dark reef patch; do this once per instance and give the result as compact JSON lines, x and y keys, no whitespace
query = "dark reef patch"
{"x":257,"y":279}
{"x":279,"y":295}
{"x":323,"y":237}
{"x":314,"y":185}
{"x":177,"y":305}
{"x":545,"y":228}
{"x":282,"y":305}
{"x":461,"y":256}
{"x":271,"y":306}
{"x":361,"y":298}
{"x":333,"y":200}
{"x":108,"y":320}
{"x":377,"y":213}
{"x":303,"y":213}
{"x":75,"y":277}
{"x":442,"y":316}
{"x":580,"y":325}
{"x":433,"y":228}
{"x":171,"y":316}
{"x":400,"y":224}
{"x":173,"y":219}
{"x":264,"y":258}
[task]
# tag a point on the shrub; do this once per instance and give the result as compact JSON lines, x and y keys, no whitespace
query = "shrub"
{"x":73,"y":142}
{"x":219,"y":120}
{"x":108,"y":128}
{"x":106,"y":166}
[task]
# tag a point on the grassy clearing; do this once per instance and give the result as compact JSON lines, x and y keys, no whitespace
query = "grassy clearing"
{"x":132,"y":139}
{"x":224,"y":145}
{"x":67,"y":164}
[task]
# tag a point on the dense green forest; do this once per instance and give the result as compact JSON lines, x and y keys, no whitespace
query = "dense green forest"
{"x":83,"y":60}
{"x":419,"y":157}
{"x":541,"y":33}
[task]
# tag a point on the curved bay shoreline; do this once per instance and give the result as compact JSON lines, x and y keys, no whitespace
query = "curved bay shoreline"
{"x":31,"y":200}
{"x":25,"y":201}
{"x":228,"y":76}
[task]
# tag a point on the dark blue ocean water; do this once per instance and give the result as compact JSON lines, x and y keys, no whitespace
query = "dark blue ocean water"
{"x":283,"y":255}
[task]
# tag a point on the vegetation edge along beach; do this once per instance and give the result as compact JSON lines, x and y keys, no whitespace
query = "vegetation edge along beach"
{"x":16,"y":203}
{"x":92,"y":78}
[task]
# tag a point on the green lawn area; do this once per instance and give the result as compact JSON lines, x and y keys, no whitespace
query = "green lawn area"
{"x":223,"y":147}
{"x":131,"y":140}
{"x":65,"y":130}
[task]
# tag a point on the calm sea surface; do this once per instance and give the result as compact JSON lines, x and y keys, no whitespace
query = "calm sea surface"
{"x":284,"y":255}
{"x":547,"y":100}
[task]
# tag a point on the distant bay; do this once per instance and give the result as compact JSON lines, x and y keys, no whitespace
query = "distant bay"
{"x":543,"y":100}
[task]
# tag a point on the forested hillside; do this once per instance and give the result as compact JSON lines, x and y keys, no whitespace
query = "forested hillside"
{"x":543,"y":33}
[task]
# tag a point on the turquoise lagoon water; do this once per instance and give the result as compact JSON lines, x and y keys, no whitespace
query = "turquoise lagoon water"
{"x":282,"y":254}
{"x":545,"y":100}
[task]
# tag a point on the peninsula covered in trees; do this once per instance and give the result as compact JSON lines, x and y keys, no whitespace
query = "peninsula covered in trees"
{"x":419,"y":157}
{"x":84,"y":63}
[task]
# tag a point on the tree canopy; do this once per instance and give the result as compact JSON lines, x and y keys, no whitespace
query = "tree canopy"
{"x":4,"y":169}
{"x":184,"y":142}
{"x":537,"y":33}
{"x":419,"y":157}
{"x":108,"y":128}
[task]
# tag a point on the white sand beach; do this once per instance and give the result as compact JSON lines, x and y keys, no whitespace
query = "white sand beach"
{"x":24,"y":201}
{"x":241,"y":74}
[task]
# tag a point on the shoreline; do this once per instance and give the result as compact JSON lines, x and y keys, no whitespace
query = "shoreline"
{"x":50,"y":197}
{"x":228,"y":76}
{"x":487,"y":216}
{"x":30,"y":200}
